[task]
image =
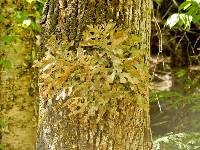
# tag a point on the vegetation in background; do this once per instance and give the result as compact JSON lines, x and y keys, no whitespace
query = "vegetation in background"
{"x":178,"y":33}
{"x":179,"y":141}
{"x":188,"y":15}
{"x":188,"y":12}
{"x":19,"y":27}
{"x":25,"y":19}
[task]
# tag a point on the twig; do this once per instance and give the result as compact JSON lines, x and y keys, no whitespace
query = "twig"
{"x":160,"y":50}
{"x":175,"y":3}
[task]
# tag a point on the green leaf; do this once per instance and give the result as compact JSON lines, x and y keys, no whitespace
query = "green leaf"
{"x":6,"y":63}
{"x":185,"y":5}
{"x":158,"y":2}
{"x":172,"y":20}
{"x":39,"y":5}
{"x":193,"y":9}
{"x":163,"y":95}
{"x":2,"y":124}
{"x":21,"y":16}
{"x":2,"y":47}
{"x":181,"y":73}
{"x":196,"y":18}
{"x":186,"y":20}
{"x":41,"y":1}
{"x":2,"y":147}
{"x":180,"y":19}
{"x":2,"y":18}
{"x":35,"y":27}
{"x":30,"y":1}
{"x":8,"y":38}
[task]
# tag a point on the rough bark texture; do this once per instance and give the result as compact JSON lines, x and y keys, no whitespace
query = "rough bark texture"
{"x":17,"y":96}
{"x":130,"y":129}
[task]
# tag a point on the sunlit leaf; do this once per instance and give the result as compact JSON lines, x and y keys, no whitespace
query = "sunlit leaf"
{"x":172,"y":20}
{"x":30,"y":1}
{"x":197,"y":1}
{"x":186,"y":20}
{"x":185,"y":5}
{"x":26,"y":23}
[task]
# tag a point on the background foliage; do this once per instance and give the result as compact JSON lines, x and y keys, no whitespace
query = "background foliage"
{"x":22,"y":20}
{"x":175,"y":97}
{"x":18,"y":26}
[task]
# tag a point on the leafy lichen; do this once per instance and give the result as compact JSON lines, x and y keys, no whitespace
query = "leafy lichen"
{"x":92,"y":79}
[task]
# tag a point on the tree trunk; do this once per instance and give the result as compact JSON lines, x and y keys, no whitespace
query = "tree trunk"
{"x":17,"y":93}
{"x":93,"y":80}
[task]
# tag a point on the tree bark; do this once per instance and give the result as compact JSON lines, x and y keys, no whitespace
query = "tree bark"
{"x":17,"y":93}
{"x":112,"y":118}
